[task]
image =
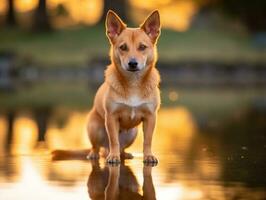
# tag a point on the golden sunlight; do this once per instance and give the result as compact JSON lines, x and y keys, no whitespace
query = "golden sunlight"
{"x":175,"y":15}
{"x":150,"y":4}
{"x":3,"y":130}
{"x":177,"y":122}
{"x":32,"y":181}
{"x":3,"y":7}
{"x":71,"y":136}
{"x":173,"y":96}
{"x":25,"y":135}
{"x":25,"y":5}
{"x":71,"y":171}
{"x":83,"y":11}
{"x":179,"y":126}
{"x":88,"y":12}
{"x":178,"y":191}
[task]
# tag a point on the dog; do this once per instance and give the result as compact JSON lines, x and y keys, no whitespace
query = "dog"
{"x":130,"y":94}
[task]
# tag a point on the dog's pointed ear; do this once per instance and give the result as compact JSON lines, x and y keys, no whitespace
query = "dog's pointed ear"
{"x":152,"y":25}
{"x":114,"y":25}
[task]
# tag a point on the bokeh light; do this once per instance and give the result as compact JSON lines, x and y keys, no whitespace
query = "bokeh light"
{"x":25,"y":5}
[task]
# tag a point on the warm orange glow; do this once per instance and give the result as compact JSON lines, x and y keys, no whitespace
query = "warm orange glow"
{"x":3,"y":6}
{"x":198,"y":172}
{"x":175,"y":15}
{"x":173,"y":95}
{"x":71,"y":136}
{"x":179,"y":192}
{"x":209,"y":169}
{"x":179,"y":15}
{"x":32,"y":183}
{"x":3,"y":130}
{"x":150,"y":4}
{"x":180,"y":127}
{"x":177,"y":124}
{"x":54,"y":3}
{"x":83,"y":11}
{"x":25,"y":135}
{"x":25,"y":5}
{"x":72,"y":170}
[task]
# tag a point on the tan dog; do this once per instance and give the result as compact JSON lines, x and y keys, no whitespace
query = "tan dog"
{"x":130,"y":93}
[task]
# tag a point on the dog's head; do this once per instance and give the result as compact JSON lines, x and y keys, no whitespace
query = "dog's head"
{"x":133,"y":49}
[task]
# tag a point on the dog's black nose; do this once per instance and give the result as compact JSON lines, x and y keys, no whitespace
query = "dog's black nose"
{"x":133,"y":64}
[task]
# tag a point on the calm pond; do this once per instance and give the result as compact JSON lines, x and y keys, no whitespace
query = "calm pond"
{"x":210,"y":144}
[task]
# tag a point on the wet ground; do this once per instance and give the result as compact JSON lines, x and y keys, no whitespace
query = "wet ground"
{"x":191,"y":165}
{"x":208,"y":148}
{"x":206,"y":177}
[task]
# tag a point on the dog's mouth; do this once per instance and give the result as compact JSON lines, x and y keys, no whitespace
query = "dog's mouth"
{"x":133,"y":70}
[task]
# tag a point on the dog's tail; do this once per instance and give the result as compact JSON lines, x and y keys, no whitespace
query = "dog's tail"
{"x":70,"y":154}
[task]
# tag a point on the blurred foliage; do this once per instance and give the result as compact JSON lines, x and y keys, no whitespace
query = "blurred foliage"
{"x":79,"y":46}
{"x":251,"y":13}
{"x":41,"y":19}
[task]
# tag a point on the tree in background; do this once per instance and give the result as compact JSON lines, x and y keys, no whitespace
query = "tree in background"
{"x":119,"y":6}
{"x":41,"y":20}
{"x":251,"y":13}
{"x":10,"y":20}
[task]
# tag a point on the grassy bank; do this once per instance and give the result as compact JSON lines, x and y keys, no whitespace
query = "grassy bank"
{"x":77,"y":95}
{"x":78,"y":46}
{"x":48,"y":94}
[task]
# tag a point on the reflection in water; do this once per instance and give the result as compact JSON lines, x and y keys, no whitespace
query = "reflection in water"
{"x":25,"y":130}
{"x":119,"y":182}
{"x":195,"y":163}
{"x":176,"y":123}
{"x":3,"y":131}
{"x":70,"y":135}
{"x":23,"y":176}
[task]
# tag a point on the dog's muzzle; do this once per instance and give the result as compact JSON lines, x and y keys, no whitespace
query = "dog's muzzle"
{"x":133,"y":65}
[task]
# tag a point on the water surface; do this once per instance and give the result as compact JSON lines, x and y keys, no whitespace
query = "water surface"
{"x":208,"y":148}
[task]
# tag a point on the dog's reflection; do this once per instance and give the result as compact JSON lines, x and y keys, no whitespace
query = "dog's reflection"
{"x":119,"y":182}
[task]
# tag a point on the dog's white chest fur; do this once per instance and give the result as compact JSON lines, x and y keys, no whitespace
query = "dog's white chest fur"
{"x":134,"y":102}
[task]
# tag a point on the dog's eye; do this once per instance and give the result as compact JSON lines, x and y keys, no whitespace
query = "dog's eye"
{"x":142,"y":47}
{"x":123,"y":47}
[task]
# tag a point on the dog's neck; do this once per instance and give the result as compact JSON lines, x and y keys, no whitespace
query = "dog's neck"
{"x":126,"y":82}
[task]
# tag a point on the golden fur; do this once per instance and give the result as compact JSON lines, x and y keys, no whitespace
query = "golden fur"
{"x":127,"y":98}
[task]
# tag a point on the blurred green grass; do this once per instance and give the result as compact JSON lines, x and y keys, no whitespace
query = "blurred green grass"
{"x":213,"y":102}
{"x":77,"y":95}
{"x":78,"y":46}
{"x":48,"y":94}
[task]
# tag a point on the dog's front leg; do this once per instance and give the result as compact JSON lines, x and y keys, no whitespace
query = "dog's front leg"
{"x":149,"y":123}
{"x":112,"y":128}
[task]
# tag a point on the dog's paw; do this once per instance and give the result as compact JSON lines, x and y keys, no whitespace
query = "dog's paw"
{"x":113,"y":159}
{"x":125,"y":155}
{"x":150,"y":160}
{"x":93,"y":156}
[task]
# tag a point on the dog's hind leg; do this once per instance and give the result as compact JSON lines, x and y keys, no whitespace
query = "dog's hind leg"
{"x":96,"y":133}
{"x":126,"y":138}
